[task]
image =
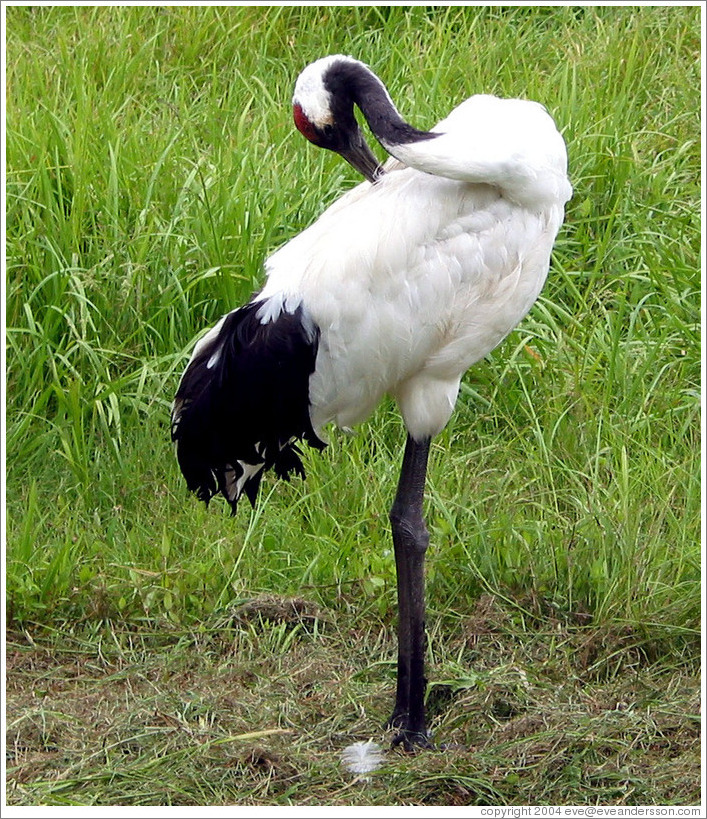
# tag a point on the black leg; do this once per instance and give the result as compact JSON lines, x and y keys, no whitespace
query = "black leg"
{"x":410,"y":539}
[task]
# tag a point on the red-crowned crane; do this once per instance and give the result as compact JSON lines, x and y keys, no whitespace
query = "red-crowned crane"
{"x":399,"y":287}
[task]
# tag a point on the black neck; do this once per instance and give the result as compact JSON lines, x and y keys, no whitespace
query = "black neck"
{"x":352,"y":83}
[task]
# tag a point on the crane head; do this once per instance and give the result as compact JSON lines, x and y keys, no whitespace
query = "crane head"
{"x":327,"y":119}
{"x":346,"y":141}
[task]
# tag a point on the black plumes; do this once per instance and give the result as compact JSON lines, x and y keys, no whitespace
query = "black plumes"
{"x":243,"y":403}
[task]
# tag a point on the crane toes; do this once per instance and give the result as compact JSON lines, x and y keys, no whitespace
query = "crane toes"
{"x":412,"y":741}
{"x":411,"y":738}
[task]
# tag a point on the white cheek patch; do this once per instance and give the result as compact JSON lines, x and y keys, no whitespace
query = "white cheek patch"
{"x":310,"y":93}
{"x":315,"y":102}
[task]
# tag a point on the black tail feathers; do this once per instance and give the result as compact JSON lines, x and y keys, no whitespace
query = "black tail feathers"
{"x":243,"y":402}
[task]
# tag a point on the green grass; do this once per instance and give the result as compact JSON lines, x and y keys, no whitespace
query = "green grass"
{"x":151,"y":167}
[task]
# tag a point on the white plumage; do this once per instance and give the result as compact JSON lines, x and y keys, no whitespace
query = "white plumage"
{"x":414,"y":279}
{"x":399,"y":287}
{"x":411,"y":281}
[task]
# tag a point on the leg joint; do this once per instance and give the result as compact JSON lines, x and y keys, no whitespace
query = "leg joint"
{"x":409,"y":529}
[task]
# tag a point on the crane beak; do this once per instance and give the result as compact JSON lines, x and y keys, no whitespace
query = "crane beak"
{"x":362,"y":158}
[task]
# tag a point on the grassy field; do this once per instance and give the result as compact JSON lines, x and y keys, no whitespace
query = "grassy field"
{"x":160,"y":653}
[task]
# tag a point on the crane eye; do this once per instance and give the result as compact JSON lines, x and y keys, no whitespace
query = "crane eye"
{"x":328,"y":130}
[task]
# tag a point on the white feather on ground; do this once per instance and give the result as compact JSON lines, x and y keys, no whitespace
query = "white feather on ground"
{"x":362,"y":757}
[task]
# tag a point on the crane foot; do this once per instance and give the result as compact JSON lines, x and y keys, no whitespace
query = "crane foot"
{"x":412,"y":741}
